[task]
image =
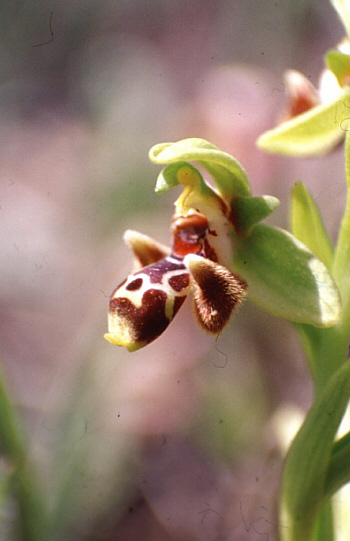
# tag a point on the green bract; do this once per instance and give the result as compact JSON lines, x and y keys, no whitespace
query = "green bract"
{"x":283,"y":275}
{"x":307,"y":224}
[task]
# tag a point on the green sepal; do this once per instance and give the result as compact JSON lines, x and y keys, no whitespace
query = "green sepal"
{"x":230,"y":178}
{"x":307,"y":224}
{"x":308,"y":460}
{"x":285,"y":278}
{"x":317,"y":131}
{"x":248,"y":211}
{"x":339,"y":64}
{"x":341,"y":6}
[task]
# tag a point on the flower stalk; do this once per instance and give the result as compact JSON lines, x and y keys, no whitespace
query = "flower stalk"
{"x":317,"y":462}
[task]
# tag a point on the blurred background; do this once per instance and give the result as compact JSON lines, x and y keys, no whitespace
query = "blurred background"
{"x":182,"y":440}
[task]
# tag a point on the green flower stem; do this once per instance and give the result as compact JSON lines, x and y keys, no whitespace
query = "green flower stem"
{"x":324,"y":524}
{"x":325,"y":351}
{"x":32,"y":520}
{"x":341,"y":264}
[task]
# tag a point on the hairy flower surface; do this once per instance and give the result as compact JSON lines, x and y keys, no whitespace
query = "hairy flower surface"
{"x":143,"y":305}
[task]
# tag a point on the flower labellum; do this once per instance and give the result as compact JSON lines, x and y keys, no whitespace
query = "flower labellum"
{"x":216,"y":233}
{"x":143,"y":305}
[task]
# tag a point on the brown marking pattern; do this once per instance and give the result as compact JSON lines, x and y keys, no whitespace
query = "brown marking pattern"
{"x":134,"y":285}
{"x":146,"y":322}
{"x":216,"y":292}
{"x":179,"y":282}
{"x":156,"y":271}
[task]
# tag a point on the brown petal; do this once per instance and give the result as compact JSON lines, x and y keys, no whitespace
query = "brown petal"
{"x":217,"y":292}
{"x":146,"y":250}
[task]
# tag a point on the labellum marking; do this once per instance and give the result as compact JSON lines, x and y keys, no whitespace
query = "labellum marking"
{"x":143,"y":305}
{"x":134,"y":285}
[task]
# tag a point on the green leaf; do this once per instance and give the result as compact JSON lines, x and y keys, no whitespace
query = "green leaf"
{"x":248,"y":211}
{"x":285,"y":278}
{"x":307,"y":224}
{"x":339,"y":64}
{"x":307,"y":463}
{"x":228,"y":174}
{"x":317,"y":131}
{"x":341,"y":6}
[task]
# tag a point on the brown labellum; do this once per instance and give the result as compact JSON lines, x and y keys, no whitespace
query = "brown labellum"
{"x":217,"y":292}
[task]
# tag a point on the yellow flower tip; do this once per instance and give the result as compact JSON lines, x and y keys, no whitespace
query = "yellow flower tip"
{"x":191,"y":182}
{"x":117,"y":340}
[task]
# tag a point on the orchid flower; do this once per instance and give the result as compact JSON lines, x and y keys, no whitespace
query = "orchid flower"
{"x":315,"y":121}
{"x":219,"y":254}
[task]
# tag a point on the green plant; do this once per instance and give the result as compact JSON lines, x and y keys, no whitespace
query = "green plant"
{"x":298,"y":276}
{"x":317,"y":464}
{"x":287,"y":278}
